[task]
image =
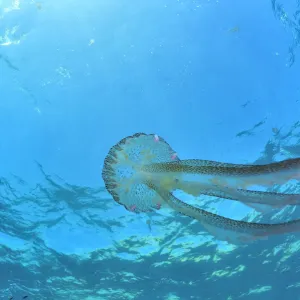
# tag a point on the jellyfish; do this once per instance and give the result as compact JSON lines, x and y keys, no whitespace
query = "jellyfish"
{"x":142,"y":172}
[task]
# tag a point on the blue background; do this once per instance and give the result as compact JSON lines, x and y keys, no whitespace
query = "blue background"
{"x":215,"y":79}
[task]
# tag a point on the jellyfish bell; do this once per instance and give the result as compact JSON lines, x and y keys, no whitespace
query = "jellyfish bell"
{"x":123,"y":175}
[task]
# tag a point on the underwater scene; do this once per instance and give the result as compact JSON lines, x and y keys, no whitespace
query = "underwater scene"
{"x":150,"y":150}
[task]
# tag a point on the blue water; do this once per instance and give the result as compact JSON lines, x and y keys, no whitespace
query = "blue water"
{"x":219,"y":80}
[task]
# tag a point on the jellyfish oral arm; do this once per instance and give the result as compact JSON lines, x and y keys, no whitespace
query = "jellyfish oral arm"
{"x":276,"y":200}
{"x":231,"y":175}
{"x":227,"y":181}
{"x":224,"y":228}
